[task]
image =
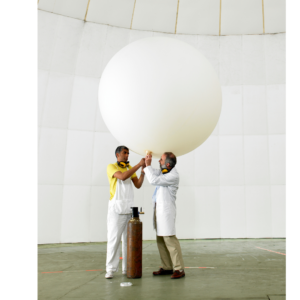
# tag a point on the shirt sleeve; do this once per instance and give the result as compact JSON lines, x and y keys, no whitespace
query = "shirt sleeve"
{"x":111,"y":170}
{"x":160,"y":179}
{"x":134,"y":174}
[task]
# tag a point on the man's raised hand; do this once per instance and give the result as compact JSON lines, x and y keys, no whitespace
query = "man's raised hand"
{"x":142,"y":162}
{"x":148,"y":160}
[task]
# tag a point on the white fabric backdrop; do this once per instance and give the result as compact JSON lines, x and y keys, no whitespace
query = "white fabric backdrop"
{"x":232,"y":186}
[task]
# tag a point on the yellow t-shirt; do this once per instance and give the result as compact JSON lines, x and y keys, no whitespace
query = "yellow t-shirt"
{"x":111,"y":170}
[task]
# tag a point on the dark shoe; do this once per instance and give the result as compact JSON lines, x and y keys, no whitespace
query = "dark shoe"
{"x":177,"y":274}
{"x":161,"y":271}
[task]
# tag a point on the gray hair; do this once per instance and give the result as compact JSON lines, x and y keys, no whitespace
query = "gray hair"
{"x":119,"y":149}
{"x":170,"y":159}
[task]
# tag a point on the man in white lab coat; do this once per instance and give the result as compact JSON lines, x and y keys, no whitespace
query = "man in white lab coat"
{"x":166,"y":180}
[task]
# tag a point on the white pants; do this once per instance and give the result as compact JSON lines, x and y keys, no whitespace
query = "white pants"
{"x":116,"y":229}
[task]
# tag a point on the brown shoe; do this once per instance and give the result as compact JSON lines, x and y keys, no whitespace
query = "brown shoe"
{"x":161,"y":271}
{"x":177,"y":274}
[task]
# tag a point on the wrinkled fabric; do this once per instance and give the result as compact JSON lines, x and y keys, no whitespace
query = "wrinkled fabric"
{"x":116,"y":229}
{"x":123,"y":198}
{"x":154,"y":196}
{"x":164,"y":198}
{"x":170,"y":252}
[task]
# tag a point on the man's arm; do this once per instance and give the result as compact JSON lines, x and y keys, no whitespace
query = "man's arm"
{"x":138,"y":182}
{"x":129,"y":173}
{"x":148,"y":161}
{"x":161,"y":179}
{"x":157,"y":178}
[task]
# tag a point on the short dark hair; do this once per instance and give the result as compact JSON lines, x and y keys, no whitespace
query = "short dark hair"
{"x":119,"y":149}
{"x":170,"y":159}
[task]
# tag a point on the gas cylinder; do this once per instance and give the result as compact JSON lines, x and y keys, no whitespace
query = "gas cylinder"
{"x":134,"y":245}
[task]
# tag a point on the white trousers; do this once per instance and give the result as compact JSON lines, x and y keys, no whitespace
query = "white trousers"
{"x":116,"y":229}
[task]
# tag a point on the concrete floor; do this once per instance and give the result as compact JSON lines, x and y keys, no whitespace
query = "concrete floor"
{"x":241,"y":271}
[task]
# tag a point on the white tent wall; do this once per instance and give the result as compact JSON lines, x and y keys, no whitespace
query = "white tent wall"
{"x":232,"y":186}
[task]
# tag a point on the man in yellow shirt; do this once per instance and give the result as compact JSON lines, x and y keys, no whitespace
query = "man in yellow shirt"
{"x":120,"y":177}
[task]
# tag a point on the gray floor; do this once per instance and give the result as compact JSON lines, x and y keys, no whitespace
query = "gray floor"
{"x":240,"y":270}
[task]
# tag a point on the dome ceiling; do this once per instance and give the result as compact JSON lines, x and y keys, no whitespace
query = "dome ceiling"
{"x":207,"y":17}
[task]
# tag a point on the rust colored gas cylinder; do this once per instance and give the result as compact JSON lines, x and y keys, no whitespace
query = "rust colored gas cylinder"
{"x":134,"y":245}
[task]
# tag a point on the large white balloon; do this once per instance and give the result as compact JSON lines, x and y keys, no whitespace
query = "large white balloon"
{"x":160,"y":94}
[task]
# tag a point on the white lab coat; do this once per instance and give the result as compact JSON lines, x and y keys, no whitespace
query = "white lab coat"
{"x":164,"y":198}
